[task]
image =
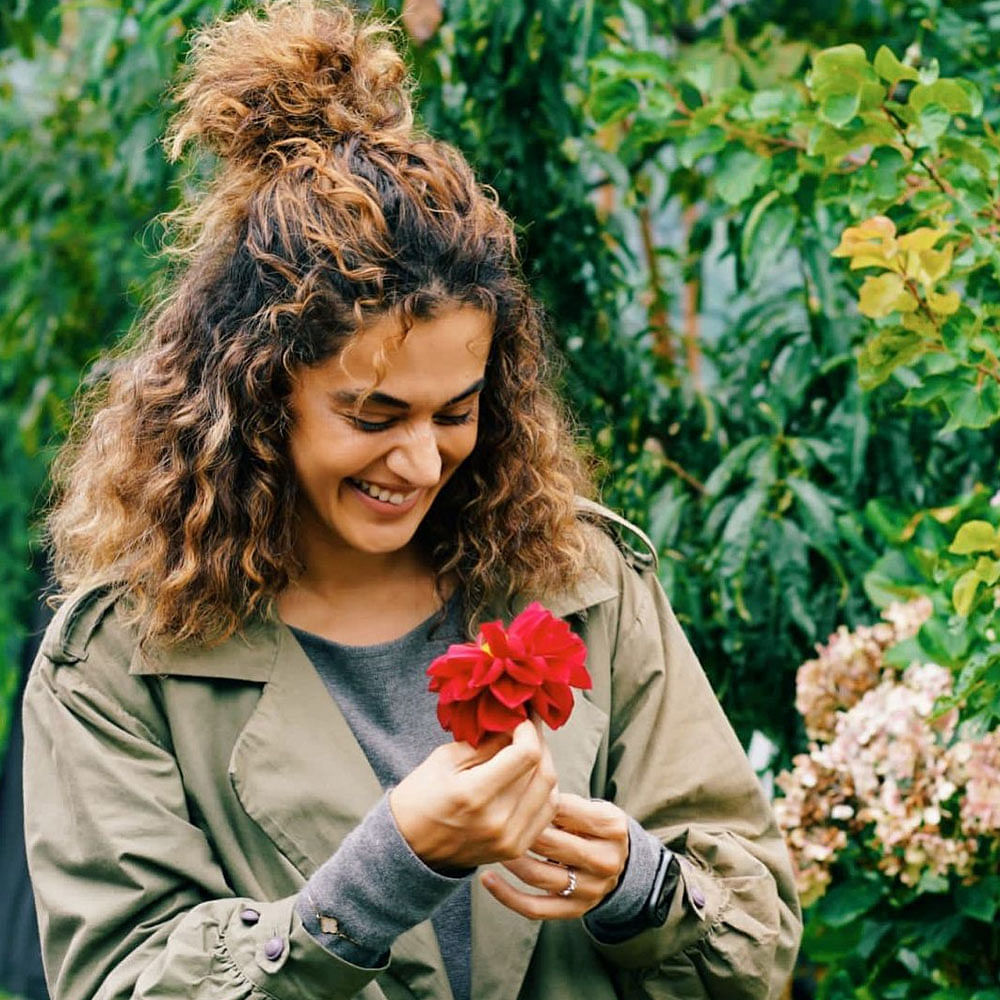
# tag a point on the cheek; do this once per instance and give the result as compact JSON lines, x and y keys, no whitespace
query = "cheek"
{"x":463,"y":445}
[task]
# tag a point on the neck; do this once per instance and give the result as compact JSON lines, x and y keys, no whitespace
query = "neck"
{"x":359,"y":598}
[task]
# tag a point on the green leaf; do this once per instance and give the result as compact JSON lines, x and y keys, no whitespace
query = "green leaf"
{"x":933,"y":122}
{"x":774,"y":103}
{"x":846,"y":902}
{"x":839,"y":109}
{"x":704,"y":142}
{"x":947,"y":93}
{"x":973,"y":405}
{"x":964,"y":592}
{"x":943,"y":643}
{"x":891,"y":579}
{"x":737,"y":542}
{"x":886,"y":352}
{"x":612,"y":100}
{"x":734,"y":461}
{"x":981,"y":900}
{"x":974,"y":536}
{"x":766,"y":235}
{"x":739,"y":172}
{"x":832,"y":67}
{"x":890,"y":68}
{"x":819,"y":512}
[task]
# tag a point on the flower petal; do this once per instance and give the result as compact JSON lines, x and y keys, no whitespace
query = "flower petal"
{"x":510,"y":693}
{"x":493,"y":717}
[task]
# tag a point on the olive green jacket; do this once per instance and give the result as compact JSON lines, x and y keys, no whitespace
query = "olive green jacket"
{"x":164,"y":796}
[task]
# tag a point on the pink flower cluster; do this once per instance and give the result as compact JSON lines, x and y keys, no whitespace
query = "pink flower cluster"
{"x":851,"y":664}
{"x":886,"y":772}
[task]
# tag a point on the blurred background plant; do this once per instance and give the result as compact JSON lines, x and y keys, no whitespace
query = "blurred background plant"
{"x":683,"y":172}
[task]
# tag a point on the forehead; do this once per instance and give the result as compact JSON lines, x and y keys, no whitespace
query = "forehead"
{"x":437,"y":355}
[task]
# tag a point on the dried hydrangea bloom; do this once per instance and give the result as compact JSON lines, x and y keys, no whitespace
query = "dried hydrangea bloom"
{"x":980,"y":768}
{"x":850,"y":664}
{"x":892,"y":781}
{"x":814,"y":796}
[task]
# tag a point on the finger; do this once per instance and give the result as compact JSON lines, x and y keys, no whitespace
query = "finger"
{"x":591,"y":817}
{"x":521,"y":756}
{"x":600,"y":857}
{"x":534,"y":906}
{"x":554,"y":879}
{"x":534,"y":806}
{"x":465,"y":755}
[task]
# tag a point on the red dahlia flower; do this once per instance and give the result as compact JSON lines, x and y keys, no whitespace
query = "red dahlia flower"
{"x":488,"y":686}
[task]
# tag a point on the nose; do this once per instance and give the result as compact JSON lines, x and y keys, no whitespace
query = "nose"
{"x":418,"y":458}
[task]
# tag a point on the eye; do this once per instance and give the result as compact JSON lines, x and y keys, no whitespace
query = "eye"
{"x":454,"y":419}
{"x":370,"y":426}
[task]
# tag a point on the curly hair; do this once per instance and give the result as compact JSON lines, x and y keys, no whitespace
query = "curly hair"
{"x":327,"y":208}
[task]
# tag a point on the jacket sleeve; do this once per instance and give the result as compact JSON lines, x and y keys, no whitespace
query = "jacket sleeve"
{"x":675,"y":764}
{"x":131,"y":900}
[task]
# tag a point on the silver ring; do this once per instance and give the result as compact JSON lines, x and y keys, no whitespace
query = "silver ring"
{"x":570,"y":885}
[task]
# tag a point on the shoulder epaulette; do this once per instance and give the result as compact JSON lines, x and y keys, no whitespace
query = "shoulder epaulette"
{"x":69,"y":632}
{"x":640,"y":559}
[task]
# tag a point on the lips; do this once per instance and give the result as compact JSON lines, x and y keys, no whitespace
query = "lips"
{"x":382,"y":493}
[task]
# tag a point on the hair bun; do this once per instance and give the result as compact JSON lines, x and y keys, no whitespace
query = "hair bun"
{"x":295,"y":69}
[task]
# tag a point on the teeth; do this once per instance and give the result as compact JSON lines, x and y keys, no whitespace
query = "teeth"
{"x":386,"y":496}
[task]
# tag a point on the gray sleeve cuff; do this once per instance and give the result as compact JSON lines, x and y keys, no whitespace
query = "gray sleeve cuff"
{"x":627,"y":899}
{"x":374,"y":887}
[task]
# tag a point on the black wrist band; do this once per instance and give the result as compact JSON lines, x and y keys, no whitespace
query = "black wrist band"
{"x":668,"y":872}
{"x":654,"y":911}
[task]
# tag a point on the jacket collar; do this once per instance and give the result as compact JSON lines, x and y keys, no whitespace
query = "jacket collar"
{"x":253,"y":654}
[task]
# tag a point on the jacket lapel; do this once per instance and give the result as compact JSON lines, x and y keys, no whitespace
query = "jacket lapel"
{"x":298,"y":748}
{"x":298,"y":770}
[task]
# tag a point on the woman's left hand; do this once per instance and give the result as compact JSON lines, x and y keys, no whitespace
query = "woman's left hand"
{"x":588,"y":837}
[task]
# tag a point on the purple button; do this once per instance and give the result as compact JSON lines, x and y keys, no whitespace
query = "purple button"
{"x":274,"y":949}
{"x":249,"y":916}
{"x":697,"y":897}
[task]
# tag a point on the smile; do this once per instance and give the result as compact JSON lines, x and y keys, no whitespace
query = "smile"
{"x":380,"y":493}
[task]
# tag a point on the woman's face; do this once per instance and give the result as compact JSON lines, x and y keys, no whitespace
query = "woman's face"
{"x":367,"y":477}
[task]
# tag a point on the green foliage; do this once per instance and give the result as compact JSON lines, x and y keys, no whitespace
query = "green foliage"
{"x":937,"y":938}
{"x":81,"y":176}
{"x":765,"y":154}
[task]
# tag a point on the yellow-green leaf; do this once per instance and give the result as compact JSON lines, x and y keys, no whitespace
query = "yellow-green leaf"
{"x":930,"y":266}
{"x":964,"y":592}
{"x":869,"y":260}
{"x":874,"y":237}
{"x":921,"y":239}
{"x":944,"y":304}
{"x":918,"y":323}
{"x":944,"y":514}
{"x":883,"y":295}
{"x":974,"y":536}
{"x":988,"y":570}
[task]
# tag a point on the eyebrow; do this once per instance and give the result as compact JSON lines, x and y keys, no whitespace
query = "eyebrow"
{"x":348,"y":397}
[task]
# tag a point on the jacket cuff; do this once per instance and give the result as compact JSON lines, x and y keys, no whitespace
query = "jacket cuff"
{"x":698,"y":905}
{"x":267,"y":945}
{"x":626,"y":901}
{"x":370,"y":891}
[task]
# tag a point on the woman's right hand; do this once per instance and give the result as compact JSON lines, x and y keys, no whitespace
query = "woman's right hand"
{"x":465,"y":806}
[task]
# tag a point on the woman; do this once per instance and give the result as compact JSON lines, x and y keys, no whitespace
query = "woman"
{"x":330,"y":454}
